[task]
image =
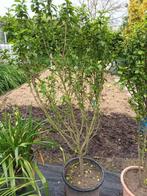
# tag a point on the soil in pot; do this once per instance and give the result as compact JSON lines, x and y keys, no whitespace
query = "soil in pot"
{"x":132,"y":181}
{"x":90,"y":178}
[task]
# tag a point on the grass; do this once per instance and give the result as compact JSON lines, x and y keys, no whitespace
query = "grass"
{"x":10,"y":77}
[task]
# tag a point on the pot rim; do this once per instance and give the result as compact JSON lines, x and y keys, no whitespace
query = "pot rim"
{"x":79,"y":189}
{"x":122,"y":178}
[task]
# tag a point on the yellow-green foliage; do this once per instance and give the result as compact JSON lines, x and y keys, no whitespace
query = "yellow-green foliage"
{"x":143,"y":8}
{"x":137,"y":9}
{"x":134,"y":14}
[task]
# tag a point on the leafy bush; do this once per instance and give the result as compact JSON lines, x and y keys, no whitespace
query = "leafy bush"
{"x":78,"y":49}
{"x":73,"y":88}
{"x":133,"y":68}
{"x":38,"y":38}
{"x":133,"y":75}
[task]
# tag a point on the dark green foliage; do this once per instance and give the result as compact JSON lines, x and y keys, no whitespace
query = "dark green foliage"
{"x":10,"y":77}
{"x":17,"y":135}
{"x":133,"y":75}
{"x":133,"y":67}
{"x":38,"y":38}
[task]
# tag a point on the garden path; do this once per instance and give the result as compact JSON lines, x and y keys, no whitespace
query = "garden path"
{"x":114,"y":99}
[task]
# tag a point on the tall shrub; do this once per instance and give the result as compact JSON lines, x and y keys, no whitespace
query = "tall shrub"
{"x":133,"y":75}
{"x":133,"y":68}
{"x":78,"y":50}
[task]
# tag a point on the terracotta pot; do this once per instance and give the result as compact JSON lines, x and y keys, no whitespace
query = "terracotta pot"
{"x":126,"y":191}
{"x":74,"y":191}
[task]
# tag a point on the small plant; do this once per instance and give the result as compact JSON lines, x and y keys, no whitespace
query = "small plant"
{"x":27,"y":129}
{"x":17,"y":135}
{"x":21,"y":181}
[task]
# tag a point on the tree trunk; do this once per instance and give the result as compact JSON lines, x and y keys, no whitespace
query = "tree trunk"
{"x":81,"y":165}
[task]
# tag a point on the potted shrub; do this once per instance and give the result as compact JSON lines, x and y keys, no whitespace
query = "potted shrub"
{"x":78,"y":50}
{"x":70,"y":94}
{"x":70,"y":98}
{"x":133,"y":74}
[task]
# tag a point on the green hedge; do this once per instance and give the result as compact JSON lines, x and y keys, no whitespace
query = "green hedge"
{"x":10,"y":77}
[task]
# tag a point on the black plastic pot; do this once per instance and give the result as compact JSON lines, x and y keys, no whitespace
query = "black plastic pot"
{"x":74,"y":191}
